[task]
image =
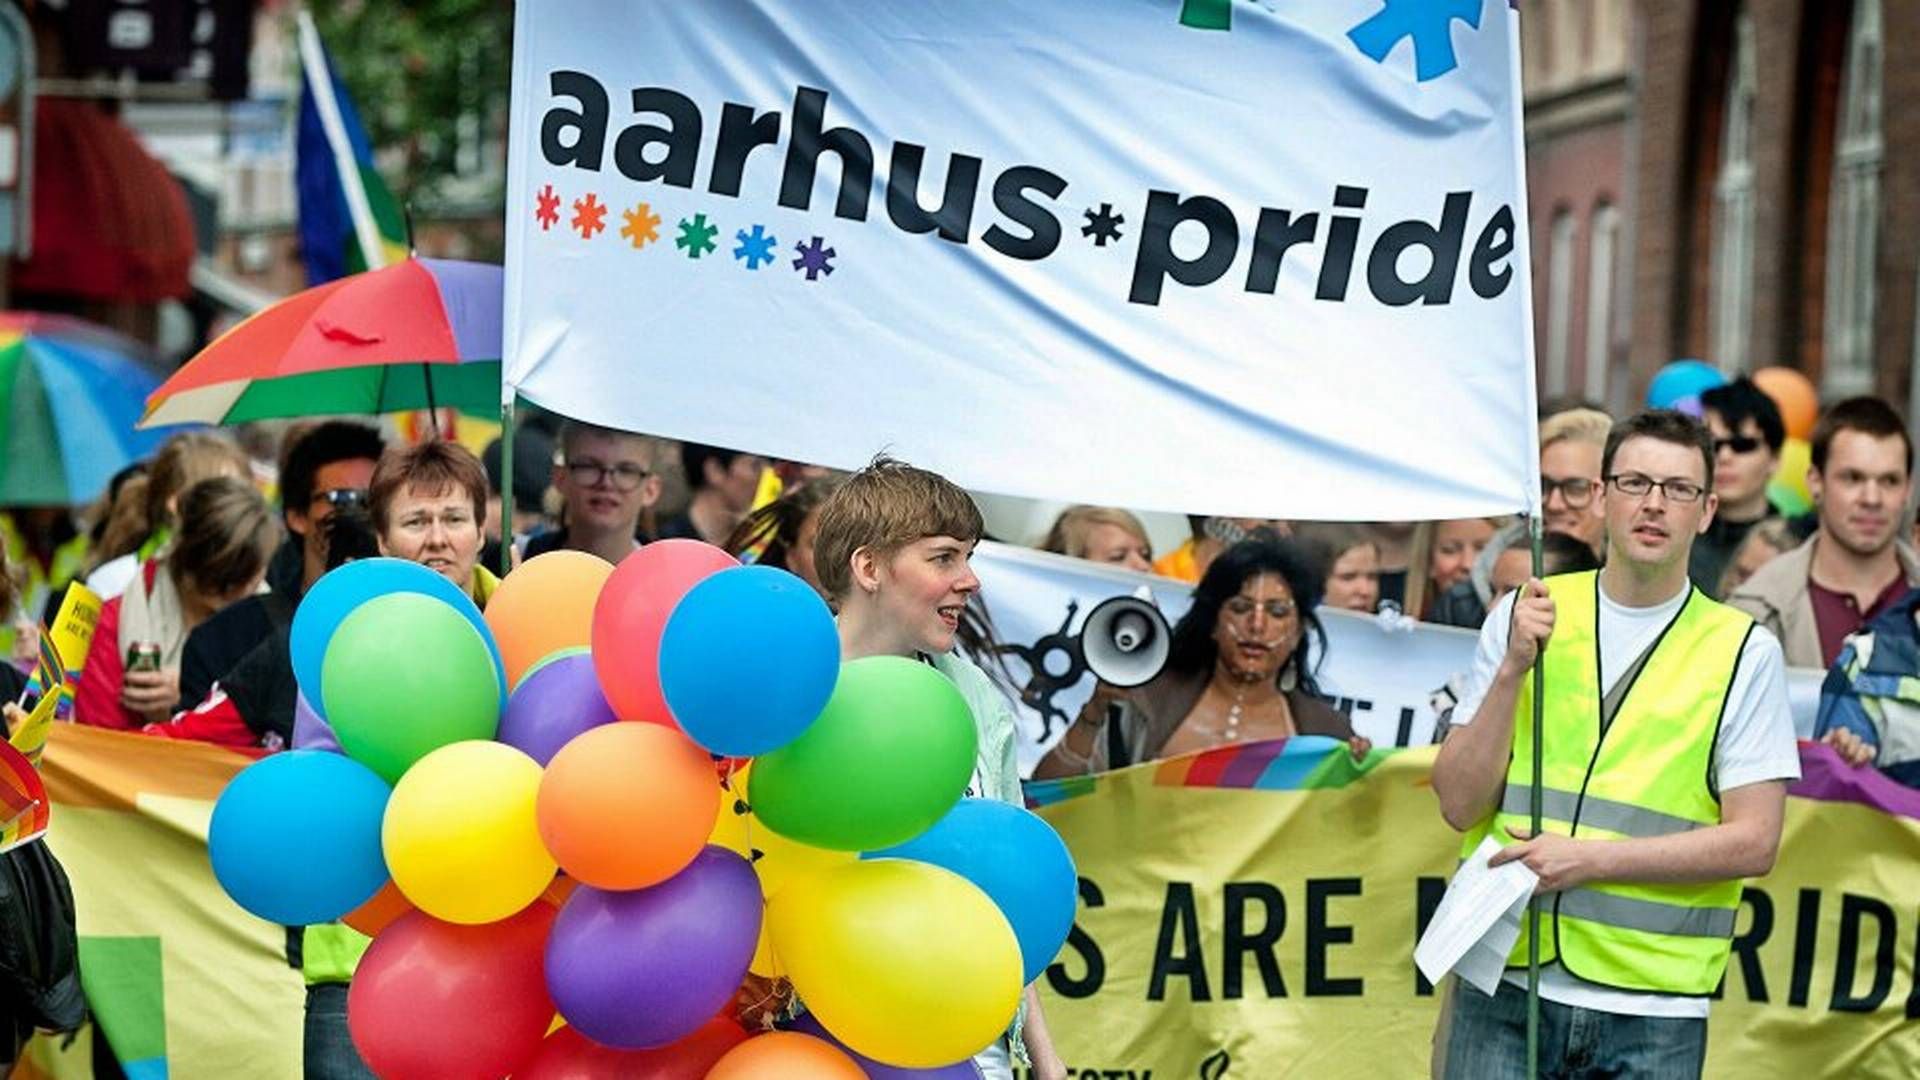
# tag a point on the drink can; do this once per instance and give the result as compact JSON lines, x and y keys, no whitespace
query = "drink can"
{"x":143,"y":656}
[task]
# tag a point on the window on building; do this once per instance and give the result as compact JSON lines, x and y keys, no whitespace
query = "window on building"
{"x":1559,"y":301}
{"x":1602,"y":235}
{"x":1731,"y":304}
{"x":1854,"y":209}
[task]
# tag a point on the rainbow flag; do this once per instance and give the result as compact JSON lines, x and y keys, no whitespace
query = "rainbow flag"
{"x":63,"y":649}
{"x":180,"y":980}
{"x":349,"y":220}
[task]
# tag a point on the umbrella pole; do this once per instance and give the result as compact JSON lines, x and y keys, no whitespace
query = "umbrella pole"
{"x":433,"y":412}
{"x":506,"y":482}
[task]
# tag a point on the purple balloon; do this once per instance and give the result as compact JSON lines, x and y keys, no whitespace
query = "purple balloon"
{"x":645,"y":968}
{"x":309,"y":731}
{"x":809,"y":1024}
{"x":561,"y":699}
{"x":1691,"y":406}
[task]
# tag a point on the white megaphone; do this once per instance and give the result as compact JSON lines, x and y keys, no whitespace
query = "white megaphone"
{"x":1125,"y":640}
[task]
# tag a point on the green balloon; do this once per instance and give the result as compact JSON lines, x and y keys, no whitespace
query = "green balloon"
{"x":889,"y":755}
{"x":411,"y":675}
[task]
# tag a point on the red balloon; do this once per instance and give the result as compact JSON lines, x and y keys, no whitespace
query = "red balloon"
{"x":436,"y":1001}
{"x":568,"y":1055}
{"x":632,"y":611}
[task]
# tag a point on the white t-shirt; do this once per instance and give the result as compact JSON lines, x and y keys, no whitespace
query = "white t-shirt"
{"x":1756,"y":744}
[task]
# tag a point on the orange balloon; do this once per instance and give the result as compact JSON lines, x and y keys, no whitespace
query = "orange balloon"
{"x":1793,"y":393}
{"x":785,"y":1055}
{"x":624,"y":806}
{"x":373,"y":916}
{"x":546,"y":604}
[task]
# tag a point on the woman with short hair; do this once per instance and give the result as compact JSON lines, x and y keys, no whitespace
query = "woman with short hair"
{"x":429,"y":505}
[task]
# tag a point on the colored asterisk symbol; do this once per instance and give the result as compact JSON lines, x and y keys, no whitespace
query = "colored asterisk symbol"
{"x":696,"y":236}
{"x":816,"y":258}
{"x":1103,"y":225}
{"x":1428,"y":23}
{"x":756,"y":247}
{"x":589,"y":216}
{"x":642,"y":225}
{"x":546,"y":208}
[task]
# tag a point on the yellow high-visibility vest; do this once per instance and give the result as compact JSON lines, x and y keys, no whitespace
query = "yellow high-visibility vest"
{"x":1648,"y":774}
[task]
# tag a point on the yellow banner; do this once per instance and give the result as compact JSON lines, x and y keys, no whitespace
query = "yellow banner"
{"x":1251,"y":912}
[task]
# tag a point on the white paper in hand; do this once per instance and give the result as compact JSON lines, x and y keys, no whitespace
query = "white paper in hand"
{"x":1478,"y":921}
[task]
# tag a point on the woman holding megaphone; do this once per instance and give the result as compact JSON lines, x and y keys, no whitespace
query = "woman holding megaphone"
{"x":1239,"y":669}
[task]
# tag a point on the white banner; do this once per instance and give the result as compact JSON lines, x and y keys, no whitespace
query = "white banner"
{"x":1243,"y":258}
{"x":1385,"y":676}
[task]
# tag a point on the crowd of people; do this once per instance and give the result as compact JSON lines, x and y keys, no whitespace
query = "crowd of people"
{"x":201,"y":574}
{"x":200,"y":579}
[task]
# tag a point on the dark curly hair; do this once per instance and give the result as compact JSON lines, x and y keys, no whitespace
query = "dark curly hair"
{"x":1192,"y":649}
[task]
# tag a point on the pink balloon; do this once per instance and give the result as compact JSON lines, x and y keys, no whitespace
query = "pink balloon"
{"x":630,"y":615}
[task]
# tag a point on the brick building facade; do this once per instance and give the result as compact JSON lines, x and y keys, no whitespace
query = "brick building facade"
{"x":1735,"y":180}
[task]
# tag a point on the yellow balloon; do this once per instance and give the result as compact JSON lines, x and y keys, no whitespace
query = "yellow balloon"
{"x":1796,"y":457}
{"x":777,"y":860}
{"x":905,"y":962}
{"x":460,"y":835}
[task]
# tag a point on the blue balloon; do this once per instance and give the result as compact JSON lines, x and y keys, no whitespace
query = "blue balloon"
{"x":1682,"y":379}
{"x":748,"y":659}
{"x":1017,"y":860}
{"x":334,"y":597}
{"x":295,"y":838}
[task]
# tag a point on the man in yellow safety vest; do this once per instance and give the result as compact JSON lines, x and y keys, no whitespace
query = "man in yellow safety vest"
{"x":1667,"y":749}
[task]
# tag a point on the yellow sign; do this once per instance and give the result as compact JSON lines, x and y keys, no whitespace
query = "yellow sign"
{"x":1251,"y":913}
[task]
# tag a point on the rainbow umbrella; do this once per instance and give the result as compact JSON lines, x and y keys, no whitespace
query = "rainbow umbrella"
{"x":420,"y":334}
{"x":70,"y":392}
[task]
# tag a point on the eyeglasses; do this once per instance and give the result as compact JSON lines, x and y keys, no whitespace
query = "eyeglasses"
{"x":1577,"y":492}
{"x":340,"y":498}
{"x":1639,"y":487}
{"x":625,"y":476}
{"x":1739,"y":444}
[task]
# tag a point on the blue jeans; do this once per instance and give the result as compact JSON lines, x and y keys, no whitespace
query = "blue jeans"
{"x":1488,"y":1041}
{"x":328,"y":1051}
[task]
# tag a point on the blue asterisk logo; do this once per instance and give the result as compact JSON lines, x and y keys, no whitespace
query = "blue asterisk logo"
{"x":756,"y":247}
{"x":1428,"y":22}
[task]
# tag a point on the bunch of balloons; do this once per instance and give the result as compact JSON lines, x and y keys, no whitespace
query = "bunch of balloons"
{"x":575,"y":825}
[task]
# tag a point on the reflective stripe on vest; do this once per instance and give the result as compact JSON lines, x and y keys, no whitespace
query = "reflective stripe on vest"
{"x":1647,"y":774}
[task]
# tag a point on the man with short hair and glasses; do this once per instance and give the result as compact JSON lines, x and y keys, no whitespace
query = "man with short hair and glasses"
{"x":1570,"y":446}
{"x":1667,"y":746}
{"x":1747,"y":436}
{"x":607,"y":479}
{"x":1855,"y":566}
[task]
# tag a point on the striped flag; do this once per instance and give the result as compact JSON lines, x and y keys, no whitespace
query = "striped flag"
{"x":349,"y":220}
{"x":24,"y":810}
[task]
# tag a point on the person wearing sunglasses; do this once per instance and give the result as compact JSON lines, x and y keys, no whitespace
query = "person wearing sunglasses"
{"x":1570,"y":446}
{"x":1747,"y":436}
{"x":326,"y":468}
{"x":607,"y":479}
{"x":1666,"y":745}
